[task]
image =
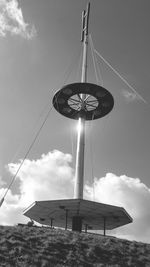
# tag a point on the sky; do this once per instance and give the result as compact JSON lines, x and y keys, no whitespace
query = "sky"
{"x":40,"y":51}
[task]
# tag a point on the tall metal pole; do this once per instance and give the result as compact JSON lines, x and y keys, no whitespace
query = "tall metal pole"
{"x":79,"y":172}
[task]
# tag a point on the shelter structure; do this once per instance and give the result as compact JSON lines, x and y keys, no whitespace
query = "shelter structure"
{"x":80,"y":101}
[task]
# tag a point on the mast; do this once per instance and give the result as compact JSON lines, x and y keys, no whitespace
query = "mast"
{"x":79,"y":169}
{"x":82,"y":101}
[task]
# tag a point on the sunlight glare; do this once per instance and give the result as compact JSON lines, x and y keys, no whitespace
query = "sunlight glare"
{"x":79,"y":125}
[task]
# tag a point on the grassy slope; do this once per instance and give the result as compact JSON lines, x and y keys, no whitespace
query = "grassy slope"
{"x":37,"y":246}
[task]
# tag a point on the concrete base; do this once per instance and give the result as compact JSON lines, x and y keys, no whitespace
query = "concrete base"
{"x":77,"y":223}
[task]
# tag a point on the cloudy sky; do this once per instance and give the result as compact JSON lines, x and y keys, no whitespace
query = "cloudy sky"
{"x":40,"y":51}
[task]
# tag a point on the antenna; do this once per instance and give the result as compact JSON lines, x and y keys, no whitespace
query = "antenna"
{"x":83,"y":26}
{"x":85,"y":22}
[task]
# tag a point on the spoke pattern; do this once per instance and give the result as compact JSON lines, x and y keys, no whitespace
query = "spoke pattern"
{"x":88,"y":104}
{"x":74,"y":100}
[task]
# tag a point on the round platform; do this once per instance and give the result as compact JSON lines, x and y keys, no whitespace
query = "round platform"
{"x":97,"y":102}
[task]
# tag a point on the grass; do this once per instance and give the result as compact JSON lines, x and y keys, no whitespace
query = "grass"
{"x":44,"y":247}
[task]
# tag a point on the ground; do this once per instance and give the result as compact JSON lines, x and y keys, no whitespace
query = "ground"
{"x":44,"y":247}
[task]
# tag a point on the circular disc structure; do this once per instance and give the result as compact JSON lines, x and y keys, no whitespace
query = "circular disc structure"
{"x":96,"y":103}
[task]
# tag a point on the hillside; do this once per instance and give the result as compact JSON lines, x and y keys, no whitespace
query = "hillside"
{"x":45,"y":247}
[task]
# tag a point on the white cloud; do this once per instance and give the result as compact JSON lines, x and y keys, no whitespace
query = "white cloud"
{"x":12,"y":20}
{"x":131,"y":194}
{"x":51,"y":177}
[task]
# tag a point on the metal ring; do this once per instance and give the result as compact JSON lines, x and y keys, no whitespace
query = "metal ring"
{"x":67,"y":101}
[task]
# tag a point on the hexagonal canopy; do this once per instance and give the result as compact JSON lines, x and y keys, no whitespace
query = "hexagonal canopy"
{"x":92,"y":213}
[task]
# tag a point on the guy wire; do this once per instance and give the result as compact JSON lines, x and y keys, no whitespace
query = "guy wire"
{"x":27,"y":153}
{"x":67,"y":73}
{"x":95,"y":64}
{"x":119,"y":75}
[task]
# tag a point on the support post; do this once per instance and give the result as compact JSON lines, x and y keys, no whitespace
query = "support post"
{"x":86,"y":228}
{"x":104,"y":226}
{"x":52,"y":222}
{"x":66,"y":220}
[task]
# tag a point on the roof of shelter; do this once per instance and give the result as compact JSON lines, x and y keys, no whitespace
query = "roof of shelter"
{"x":92,"y":213}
